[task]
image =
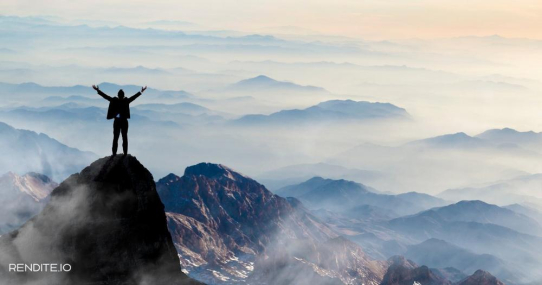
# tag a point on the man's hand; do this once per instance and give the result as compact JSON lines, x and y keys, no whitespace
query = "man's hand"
{"x":96,"y":87}
{"x":143,"y":89}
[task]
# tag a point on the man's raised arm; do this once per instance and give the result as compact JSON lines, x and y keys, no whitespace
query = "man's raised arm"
{"x":101,"y":93}
{"x":137,"y":94}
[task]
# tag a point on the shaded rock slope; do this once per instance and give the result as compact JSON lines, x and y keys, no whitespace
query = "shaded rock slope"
{"x":107,"y":222}
{"x":229,"y":229}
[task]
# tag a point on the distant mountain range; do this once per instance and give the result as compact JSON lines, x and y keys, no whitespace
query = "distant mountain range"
{"x":28,"y":93}
{"x":263,"y":83}
{"x":329,"y":111}
{"x":405,"y":272}
{"x":474,"y":231}
{"x":441,"y":254}
{"x":529,"y":140}
{"x":342,"y":195}
{"x":481,"y":212}
{"x":190,"y":111}
{"x":458,"y":140}
{"x":442,"y":162}
{"x":185,"y":107}
{"x":26,"y":151}
{"x":520,"y":190}
{"x":294,"y":174}
{"x":528,"y":210}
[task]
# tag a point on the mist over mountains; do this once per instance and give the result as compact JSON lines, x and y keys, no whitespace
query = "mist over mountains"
{"x":26,"y":151}
{"x":327,"y":112}
{"x":220,"y":224}
{"x":365,"y":162}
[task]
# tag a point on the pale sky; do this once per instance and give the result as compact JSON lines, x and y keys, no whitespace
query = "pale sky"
{"x":370,"y":19}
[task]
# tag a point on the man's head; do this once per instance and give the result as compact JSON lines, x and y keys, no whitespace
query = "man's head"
{"x":121,"y":94}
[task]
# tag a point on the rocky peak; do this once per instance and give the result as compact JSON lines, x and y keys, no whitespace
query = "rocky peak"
{"x":230,"y":229}
{"x":481,"y":277}
{"x":213,"y":171}
{"x":403,"y":271}
{"x":401,"y":261}
{"x":107,"y":222}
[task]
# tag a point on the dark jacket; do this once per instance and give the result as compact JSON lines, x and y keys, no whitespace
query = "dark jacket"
{"x":118,"y":106}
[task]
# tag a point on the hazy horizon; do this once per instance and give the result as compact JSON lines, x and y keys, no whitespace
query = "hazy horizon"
{"x":369,"y":19}
{"x":452,"y":76}
{"x":377,"y":129}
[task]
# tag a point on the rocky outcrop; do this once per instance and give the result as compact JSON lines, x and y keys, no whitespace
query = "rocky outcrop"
{"x":481,"y":277}
{"x":106,"y":222}
{"x":405,"y":272}
{"x":228,"y":228}
{"x":402,"y":271}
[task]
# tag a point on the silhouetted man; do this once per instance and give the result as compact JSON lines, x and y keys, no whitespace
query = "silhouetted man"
{"x":119,"y":109}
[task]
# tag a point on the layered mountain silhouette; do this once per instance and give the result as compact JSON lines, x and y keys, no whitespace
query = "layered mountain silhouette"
{"x":530,"y":139}
{"x":441,"y":254}
{"x":107,"y":222}
{"x":264,"y":83}
{"x":478,"y":235}
{"x":481,"y":212}
{"x":528,"y":210}
{"x":329,"y":111}
{"x":185,"y":107}
{"x":406,"y":272}
{"x":294,"y":174}
{"x":56,"y":94}
{"x":22,"y":197}
{"x":37,"y":152}
{"x":441,"y":162}
{"x":518,"y":190}
{"x":457,"y":140}
{"x":341,"y":195}
{"x":228,"y":228}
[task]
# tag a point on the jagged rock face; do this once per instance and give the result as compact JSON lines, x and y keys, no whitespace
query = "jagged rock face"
{"x":107,"y":222}
{"x":406,"y":272}
{"x":229,"y":228}
{"x":481,"y":277}
{"x":21,"y":198}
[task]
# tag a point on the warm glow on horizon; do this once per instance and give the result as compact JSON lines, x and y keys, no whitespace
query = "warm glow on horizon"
{"x":376,"y":20}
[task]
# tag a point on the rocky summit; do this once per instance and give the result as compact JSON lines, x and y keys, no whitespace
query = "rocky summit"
{"x":229,"y":229}
{"x":106,"y":222}
{"x":402,"y":271}
{"x":405,"y":272}
{"x":481,"y":277}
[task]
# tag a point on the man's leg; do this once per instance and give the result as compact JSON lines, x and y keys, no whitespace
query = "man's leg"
{"x":116,"y":133}
{"x":124,"y":131}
